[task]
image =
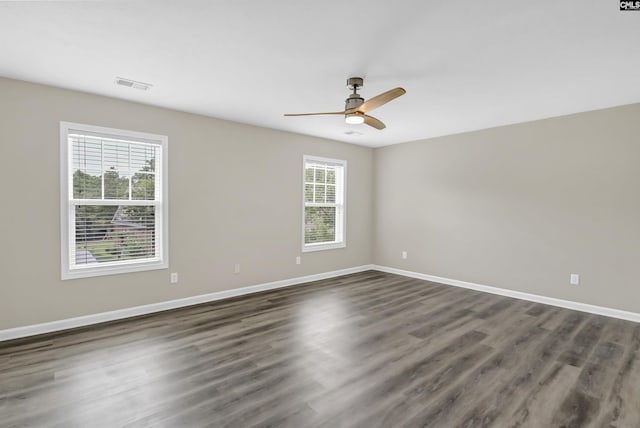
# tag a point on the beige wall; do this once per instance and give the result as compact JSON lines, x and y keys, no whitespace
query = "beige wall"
{"x":520,"y":207}
{"x":235,"y":197}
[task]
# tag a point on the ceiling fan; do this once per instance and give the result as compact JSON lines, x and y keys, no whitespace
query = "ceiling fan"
{"x":356,"y":108}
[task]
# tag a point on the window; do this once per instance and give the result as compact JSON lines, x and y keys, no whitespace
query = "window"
{"x":324,"y":209}
{"x":113,"y":201}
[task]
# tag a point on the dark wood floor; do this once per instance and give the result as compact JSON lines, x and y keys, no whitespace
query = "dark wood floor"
{"x":363,"y":350}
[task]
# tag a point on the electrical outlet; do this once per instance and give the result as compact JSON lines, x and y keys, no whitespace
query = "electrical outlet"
{"x":404,"y":255}
{"x":574,"y":279}
{"x":174,"y":277}
{"x":298,"y":260}
{"x":236,"y":268}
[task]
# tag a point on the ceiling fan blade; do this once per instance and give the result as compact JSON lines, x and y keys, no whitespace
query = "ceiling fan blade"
{"x":315,"y":114}
{"x":379,"y":100}
{"x":372,"y":121}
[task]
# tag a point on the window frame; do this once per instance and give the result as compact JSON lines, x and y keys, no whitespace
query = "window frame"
{"x":161,"y":259}
{"x":341,"y":208}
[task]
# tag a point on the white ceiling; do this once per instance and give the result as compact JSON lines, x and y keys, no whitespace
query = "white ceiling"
{"x":465,"y":65}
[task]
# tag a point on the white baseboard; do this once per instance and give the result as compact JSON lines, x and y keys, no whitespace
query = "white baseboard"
{"x":65,"y":324}
{"x":49,"y":327}
{"x":583,"y":307}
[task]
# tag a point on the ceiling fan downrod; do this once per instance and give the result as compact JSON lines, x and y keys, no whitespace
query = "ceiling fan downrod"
{"x":355,"y":100}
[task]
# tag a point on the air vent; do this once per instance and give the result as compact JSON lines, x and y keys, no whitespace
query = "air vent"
{"x":133,"y":84}
{"x":353,"y":133}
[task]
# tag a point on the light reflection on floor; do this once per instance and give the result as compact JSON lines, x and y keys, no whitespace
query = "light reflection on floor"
{"x":325,"y":337}
{"x":124,"y":372}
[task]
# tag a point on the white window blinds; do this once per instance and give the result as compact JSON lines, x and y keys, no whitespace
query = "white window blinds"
{"x":115,"y":205}
{"x":324,"y":195}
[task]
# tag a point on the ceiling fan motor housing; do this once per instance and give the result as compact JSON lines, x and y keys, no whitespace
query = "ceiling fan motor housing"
{"x":354,"y":101}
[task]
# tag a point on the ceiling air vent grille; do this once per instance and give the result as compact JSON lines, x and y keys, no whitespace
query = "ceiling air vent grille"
{"x":133,"y":84}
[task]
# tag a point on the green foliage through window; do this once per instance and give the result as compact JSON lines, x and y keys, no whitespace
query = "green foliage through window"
{"x":118,"y":171}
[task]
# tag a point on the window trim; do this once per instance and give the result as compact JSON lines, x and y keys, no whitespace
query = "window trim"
{"x":321,"y":246}
{"x":162,"y":241}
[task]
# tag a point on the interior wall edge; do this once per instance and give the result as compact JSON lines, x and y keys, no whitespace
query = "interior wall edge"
{"x":87,"y":320}
{"x":568,"y":304}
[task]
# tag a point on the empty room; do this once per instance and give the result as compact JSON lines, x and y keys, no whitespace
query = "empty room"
{"x":319,"y":214}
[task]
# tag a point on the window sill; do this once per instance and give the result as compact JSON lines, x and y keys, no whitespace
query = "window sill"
{"x":308,"y":248}
{"x":113,"y":270}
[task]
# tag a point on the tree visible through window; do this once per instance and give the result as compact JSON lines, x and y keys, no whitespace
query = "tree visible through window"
{"x":323,"y":203}
{"x":115,"y":203}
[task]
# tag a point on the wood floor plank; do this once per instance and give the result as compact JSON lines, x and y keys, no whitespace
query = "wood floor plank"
{"x":583,"y":342}
{"x":537,"y":407}
{"x":622,"y":407}
{"x":369,"y":349}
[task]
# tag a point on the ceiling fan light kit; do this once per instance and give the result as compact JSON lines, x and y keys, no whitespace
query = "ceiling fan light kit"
{"x":356,"y":107}
{"x":354,"y":118}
